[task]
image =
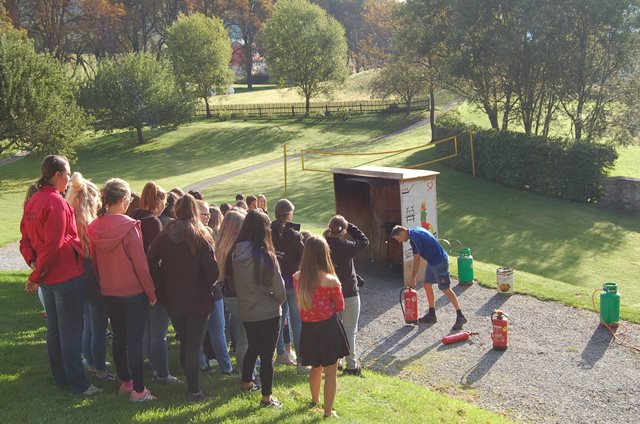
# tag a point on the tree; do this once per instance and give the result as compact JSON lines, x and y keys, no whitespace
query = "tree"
{"x":350,"y":14}
{"x":135,"y":90}
{"x":249,"y":17}
{"x":200,"y":51}
{"x":38,"y":109}
{"x":403,"y":79}
{"x":378,"y":27}
{"x":306,"y":48}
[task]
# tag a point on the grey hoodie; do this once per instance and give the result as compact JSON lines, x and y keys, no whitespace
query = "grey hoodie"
{"x":256,"y":302}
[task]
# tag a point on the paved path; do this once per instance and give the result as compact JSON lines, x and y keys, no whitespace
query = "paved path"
{"x":561,"y":367}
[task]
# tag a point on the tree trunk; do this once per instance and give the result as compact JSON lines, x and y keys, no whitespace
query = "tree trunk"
{"x":307,"y":98}
{"x":432,"y":110}
{"x":248,"y":63}
{"x":139,"y":132}
{"x":408,"y":103}
{"x":507,"y":111}
{"x":492,"y":114}
{"x":206,"y":104}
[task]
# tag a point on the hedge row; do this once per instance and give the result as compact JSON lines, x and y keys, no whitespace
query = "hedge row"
{"x":552,"y":166}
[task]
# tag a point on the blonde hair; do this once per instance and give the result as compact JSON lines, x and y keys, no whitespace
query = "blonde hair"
{"x":215,"y":220}
{"x":113,"y":190}
{"x":151,"y":193}
{"x":227,"y":237}
{"x":84,"y":197}
{"x":316,"y":259}
{"x":263,"y":197}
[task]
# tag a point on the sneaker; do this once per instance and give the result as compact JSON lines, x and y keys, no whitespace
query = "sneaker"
{"x":333,"y":414}
{"x":92,"y":390}
{"x":284,"y":359}
{"x":428,"y":319}
{"x":107,"y":376}
{"x":304,"y":368}
{"x":356,"y":372}
{"x":460,"y":322}
{"x":126,"y":387}
{"x":144,"y":396}
{"x":253,"y":388}
{"x":233,"y":372}
{"x":168,"y":379}
{"x":271,"y":403}
{"x":198,"y":397}
{"x":291,"y":354}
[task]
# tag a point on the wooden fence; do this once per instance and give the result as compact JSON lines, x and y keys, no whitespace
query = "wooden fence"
{"x":326,"y":108}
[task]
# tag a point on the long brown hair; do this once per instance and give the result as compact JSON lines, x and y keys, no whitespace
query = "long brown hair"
{"x":84,"y":197}
{"x":113,"y":190}
{"x":50,"y":166}
{"x":151,"y":194}
{"x":255,"y":229}
{"x":227,"y":237}
{"x":316,"y":259}
{"x":188,"y":224}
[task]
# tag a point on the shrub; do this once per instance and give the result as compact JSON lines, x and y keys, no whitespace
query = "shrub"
{"x":552,"y":166}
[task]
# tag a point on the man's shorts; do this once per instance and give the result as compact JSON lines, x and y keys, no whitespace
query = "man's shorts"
{"x":438,"y":274}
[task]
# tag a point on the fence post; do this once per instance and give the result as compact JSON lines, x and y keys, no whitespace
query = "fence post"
{"x":285,"y":167}
{"x":302,"y":158}
{"x":473,"y":159}
{"x":260,"y":111}
{"x":360,"y":108}
{"x":293,"y":111}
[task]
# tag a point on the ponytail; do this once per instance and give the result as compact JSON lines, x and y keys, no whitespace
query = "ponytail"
{"x":50,"y":166}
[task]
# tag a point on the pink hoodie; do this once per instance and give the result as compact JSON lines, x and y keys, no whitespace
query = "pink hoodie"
{"x":118,"y":257}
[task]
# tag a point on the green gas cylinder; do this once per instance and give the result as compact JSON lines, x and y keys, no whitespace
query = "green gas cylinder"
{"x":465,"y":266}
{"x":610,"y":304}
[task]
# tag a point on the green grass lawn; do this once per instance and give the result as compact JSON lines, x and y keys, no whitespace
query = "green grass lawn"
{"x":561,"y":250}
{"x":192,"y":153}
{"x":28,"y":397}
{"x":357,"y":87}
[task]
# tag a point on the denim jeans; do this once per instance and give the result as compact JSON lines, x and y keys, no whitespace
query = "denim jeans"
{"x":191,"y":331}
{"x":295,"y":325}
{"x":95,"y":322}
{"x":217,"y":337}
{"x":128,"y":316}
{"x":231,"y":304}
{"x":64,"y":303}
{"x":350,"y":317}
{"x":156,"y":347}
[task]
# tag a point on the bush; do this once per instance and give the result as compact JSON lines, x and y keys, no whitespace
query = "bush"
{"x":552,"y":166}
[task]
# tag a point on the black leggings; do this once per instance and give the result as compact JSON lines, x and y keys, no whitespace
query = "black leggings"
{"x":128,"y":316}
{"x":262,"y":337}
{"x":190,"y":331}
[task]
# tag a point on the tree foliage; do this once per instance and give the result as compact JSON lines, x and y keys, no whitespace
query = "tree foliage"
{"x":133,"y":91}
{"x":306,"y":48}
{"x":401,"y":78}
{"x":38,"y":109}
{"x":248,"y":16}
{"x":200,"y":51}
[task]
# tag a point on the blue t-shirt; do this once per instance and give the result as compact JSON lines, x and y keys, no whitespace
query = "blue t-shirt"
{"x":424,"y":243}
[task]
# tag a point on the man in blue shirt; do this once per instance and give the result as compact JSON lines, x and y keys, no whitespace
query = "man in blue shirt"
{"x":425,"y":245}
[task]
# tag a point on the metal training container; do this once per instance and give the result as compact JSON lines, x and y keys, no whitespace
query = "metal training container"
{"x":504,"y":280}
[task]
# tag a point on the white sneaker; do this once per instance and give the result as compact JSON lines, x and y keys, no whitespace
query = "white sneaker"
{"x":292,"y":356}
{"x":284,"y":360}
{"x":304,"y":368}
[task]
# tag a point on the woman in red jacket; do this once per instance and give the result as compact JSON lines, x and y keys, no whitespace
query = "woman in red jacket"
{"x":51,"y":247}
{"x":121,"y":266}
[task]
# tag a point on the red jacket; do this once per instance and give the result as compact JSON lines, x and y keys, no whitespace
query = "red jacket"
{"x":119,"y":258}
{"x":50,"y":238}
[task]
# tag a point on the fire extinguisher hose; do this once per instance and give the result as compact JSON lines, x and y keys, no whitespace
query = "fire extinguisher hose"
{"x":620,"y":337}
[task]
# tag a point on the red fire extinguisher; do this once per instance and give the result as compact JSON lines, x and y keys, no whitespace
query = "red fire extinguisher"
{"x":409,"y":305}
{"x":458,"y":337}
{"x":500,"y":332}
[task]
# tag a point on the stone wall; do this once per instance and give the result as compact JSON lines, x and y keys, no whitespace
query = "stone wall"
{"x":621,"y":194}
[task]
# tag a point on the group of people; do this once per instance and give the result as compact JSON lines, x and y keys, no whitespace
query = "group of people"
{"x":105,"y":255}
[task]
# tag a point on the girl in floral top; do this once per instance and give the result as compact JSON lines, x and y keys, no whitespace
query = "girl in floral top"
{"x":323,"y":340}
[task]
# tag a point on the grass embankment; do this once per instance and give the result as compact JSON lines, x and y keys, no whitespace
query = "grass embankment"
{"x":192,"y":153}
{"x":561,"y":250}
{"x":27,"y":395}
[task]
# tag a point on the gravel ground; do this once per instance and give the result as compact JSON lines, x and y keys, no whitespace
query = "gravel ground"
{"x":561,"y":367}
{"x":10,"y":258}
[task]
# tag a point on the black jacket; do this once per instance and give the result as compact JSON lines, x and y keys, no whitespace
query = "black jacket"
{"x":289,"y":249}
{"x":342,"y":253}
